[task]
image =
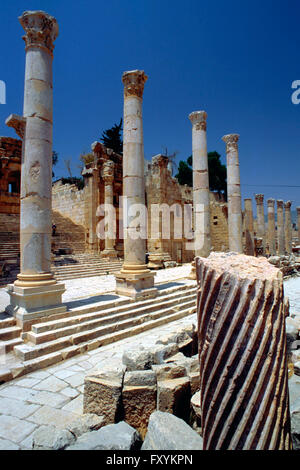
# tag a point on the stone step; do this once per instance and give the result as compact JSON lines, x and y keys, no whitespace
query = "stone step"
{"x":102,"y":311}
{"x":71,"y":351}
{"x":92,"y":321}
{"x":71,"y":267}
{"x":9,"y":344}
{"x":10,"y":332}
{"x":7,"y":321}
{"x":105,"y":335}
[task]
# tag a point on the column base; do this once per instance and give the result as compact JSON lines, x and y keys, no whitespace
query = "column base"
{"x":109,"y":253}
{"x":30,"y":303}
{"x":156,"y":260}
{"x":137,"y":285}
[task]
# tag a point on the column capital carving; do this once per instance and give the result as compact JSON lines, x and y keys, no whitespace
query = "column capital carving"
{"x":279,"y":204}
{"x":18,"y":123}
{"x":259,"y":198}
{"x":198,"y":119}
{"x":271,"y":202}
{"x":287,"y":204}
{"x":108,"y":172}
{"x":134,"y":82}
{"x":41,"y":30}
{"x":231,"y":141}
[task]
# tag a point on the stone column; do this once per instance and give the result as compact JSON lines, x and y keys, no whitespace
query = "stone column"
{"x":36,"y":293}
{"x":280,"y":229}
{"x":259,"y":198}
{"x":271,"y":227}
{"x":244,"y":395}
{"x":135,"y":279}
{"x":108,"y":177}
{"x":201,"y":200}
{"x":235,"y":225}
{"x":249,"y":229}
{"x":288,"y":227}
{"x":298,"y":223}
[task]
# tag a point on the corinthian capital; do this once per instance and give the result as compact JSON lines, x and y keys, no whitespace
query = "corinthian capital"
{"x":41,"y":30}
{"x":198,"y":119}
{"x":287,"y":204}
{"x":279,"y":204}
{"x":259,"y":198}
{"x":134,"y":82}
{"x":231,"y":141}
{"x":271,"y":202}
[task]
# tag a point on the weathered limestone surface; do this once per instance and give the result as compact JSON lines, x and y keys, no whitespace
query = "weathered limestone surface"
{"x":201,"y":199}
{"x":135,"y":279}
{"x":139,"y":399}
{"x":298,"y":223}
{"x":248,"y":227}
{"x":102,"y":394}
{"x":243,"y":356}
{"x":108,"y":177}
{"x":288,"y":226}
{"x":271,"y":227}
{"x":259,"y":198}
{"x":35,"y":288}
{"x":280,"y":228}
{"x":167,"y":432}
{"x":235,"y":226}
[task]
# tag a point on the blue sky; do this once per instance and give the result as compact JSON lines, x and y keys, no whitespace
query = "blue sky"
{"x":234,"y":59}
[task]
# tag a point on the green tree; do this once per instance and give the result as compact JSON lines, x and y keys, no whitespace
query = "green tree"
{"x":112,"y":138}
{"x":216,"y":171}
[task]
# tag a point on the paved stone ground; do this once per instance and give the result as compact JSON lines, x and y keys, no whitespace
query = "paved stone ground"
{"x":292,"y":291}
{"x":55,"y":395}
{"x":93,"y":286}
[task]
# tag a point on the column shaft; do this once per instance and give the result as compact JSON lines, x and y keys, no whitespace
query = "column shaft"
{"x":135,"y":279}
{"x":261,"y":228}
{"x":288,"y":227}
{"x":271,"y":227}
{"x":249,"y":230}
{"x":235,"y":226}
{"x":201,"y":199}
{"x":280,"y":229}
{"x":110,"y":233}
{"x":298,"y":224}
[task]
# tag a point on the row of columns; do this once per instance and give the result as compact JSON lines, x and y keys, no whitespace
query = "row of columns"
{"x":36,"y":292}
{"x":268,"y":237}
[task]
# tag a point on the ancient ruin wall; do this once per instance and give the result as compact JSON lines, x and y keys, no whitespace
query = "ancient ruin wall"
{"x":69,"y":201}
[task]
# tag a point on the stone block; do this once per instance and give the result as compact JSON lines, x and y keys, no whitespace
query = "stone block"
{"x":173,"y":396}
{"x":50,"y":438}
{"x":167,"y":432}
{"x":139,"y":398}
{"x":119,"y":436}
{"x":102,"y":395}
{"x":85,"y":423}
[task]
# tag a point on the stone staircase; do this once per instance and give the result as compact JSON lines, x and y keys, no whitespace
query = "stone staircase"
{"x":84,"y":265}
{"x":69,"y":237}
{"x":89,"y":326}
{"x":10,"y":334}
{"x":68,"y":234}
